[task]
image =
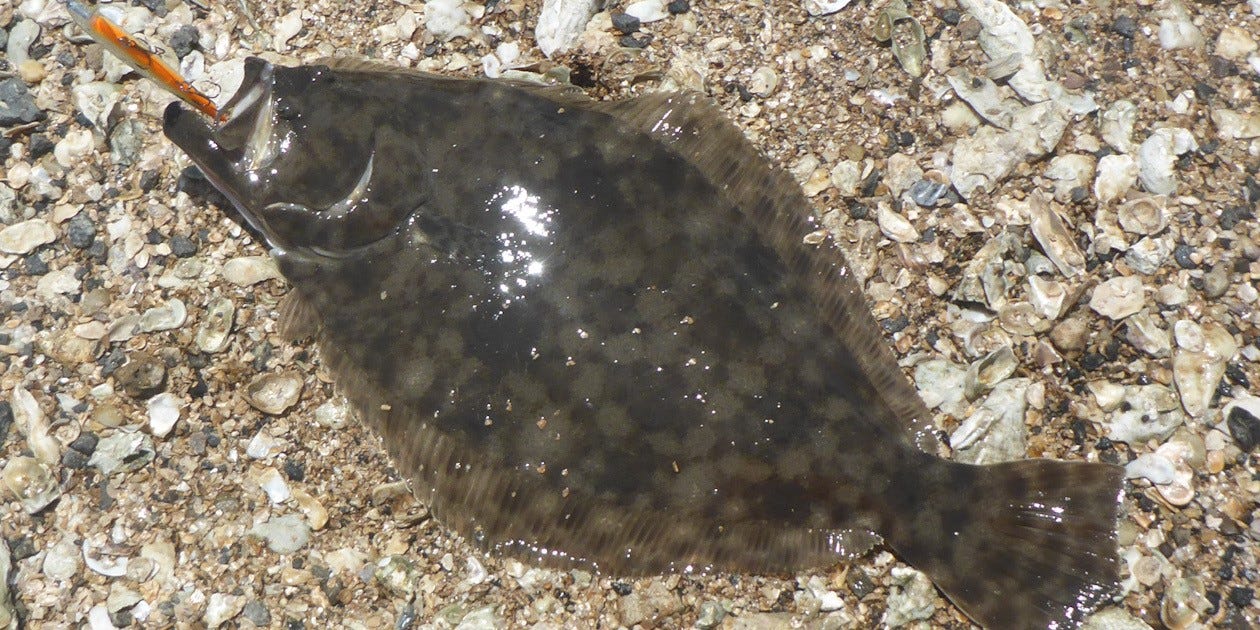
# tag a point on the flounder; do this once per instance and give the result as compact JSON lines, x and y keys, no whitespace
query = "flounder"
{"x":593,"y":333}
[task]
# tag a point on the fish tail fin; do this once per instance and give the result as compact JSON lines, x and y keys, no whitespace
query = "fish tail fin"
{"x":1025,"y":544}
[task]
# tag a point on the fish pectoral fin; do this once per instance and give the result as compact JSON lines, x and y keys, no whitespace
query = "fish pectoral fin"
{"x":299,"y":319}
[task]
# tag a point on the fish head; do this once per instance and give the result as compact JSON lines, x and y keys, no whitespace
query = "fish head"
{"x":295,"y":154}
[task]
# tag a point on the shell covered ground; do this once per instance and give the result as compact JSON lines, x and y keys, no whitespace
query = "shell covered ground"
{"x":1054,"y":222}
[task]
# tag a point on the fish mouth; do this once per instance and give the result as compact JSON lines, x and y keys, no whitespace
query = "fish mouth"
{"x":243,"y":143}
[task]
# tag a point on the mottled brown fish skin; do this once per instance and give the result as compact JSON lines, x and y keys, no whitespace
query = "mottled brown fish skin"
{"x":591,"y":333}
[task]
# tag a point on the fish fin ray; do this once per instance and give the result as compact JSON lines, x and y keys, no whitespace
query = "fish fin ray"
{"x":1007,"y":570}
{"x":299,"y":319}
{"x":692,"y":126}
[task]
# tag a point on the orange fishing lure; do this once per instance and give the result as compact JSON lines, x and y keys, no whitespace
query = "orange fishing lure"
{"x":138,"y":56}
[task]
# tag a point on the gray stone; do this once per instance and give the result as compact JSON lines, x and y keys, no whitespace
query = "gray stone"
{"x":17,"y":106}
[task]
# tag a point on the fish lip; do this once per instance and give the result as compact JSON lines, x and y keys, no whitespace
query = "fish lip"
{"x":219,"y":151}
{"x":190,"y":132}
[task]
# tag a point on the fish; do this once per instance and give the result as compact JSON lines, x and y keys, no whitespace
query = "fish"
{"x":606,"y":334}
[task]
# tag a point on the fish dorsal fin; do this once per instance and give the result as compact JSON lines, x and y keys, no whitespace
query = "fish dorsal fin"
{"x":694,"y":127}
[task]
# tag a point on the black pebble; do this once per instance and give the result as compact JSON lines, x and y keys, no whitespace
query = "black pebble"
{"x":1125,"y":26}
{"x":74,"y":459}
{"x":182,"y":246}
{"x":1079,"y":194}
{"x":80,"y":231}
{"x":895,"y":324}
{"x":622,"y":589}
{"x":1221,"y":67}
{"x":859,"y":583}
{"x":1241,"y":596}
{"x":6,"y":421}
{"x":951,"y":16}
{"x":630,"y":41}
{"x":1092,"y":361}
{"x":35,"y":265}
{"x":625,"y":23}
{"x":678,"y":7}
{"x":1244,"y":427}
{"x":858,"y":210}
{"x":184,"y":40}
{"x":40,"y":145}
{"x":1231,"y":217}
{"x":295,"y":471}
{"x":85,"y":443}
{"x":1181,"y":253}
{"x":148,"y":180}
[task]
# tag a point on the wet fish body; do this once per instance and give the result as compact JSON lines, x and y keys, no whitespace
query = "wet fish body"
{"x":592,"y":333}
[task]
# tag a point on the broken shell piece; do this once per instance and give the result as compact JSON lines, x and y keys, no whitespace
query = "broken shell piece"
{"x":104,"y":562}
{"x":1047,"y":296}
{"x":1020,"y":318}
{"x":1198,"y":373}
{"x":1108,"y":395}
{"x":31,"y":422}
{"x":764,"y":81}
{"x":895,"y":226}
{"x":1153,"y":413}
{"x":896,"y":24}
{"x":1069,"y":172}
{"x":982,"y":160}
{"x":274,"y":393}
{"x":1145,"y":215}
{"x":214,"y":332}
{"x":1148,"y":255}
{"x":168,"y":316}
{"x":31,"y":482}
{"x":1179,"y":490}
{"x":314,"y":511}
{"x":1117,"y":125}
{"x":984,"y":374}
{"x":1055,"y":238}
{"x":1118,"y":298}
{"x":1146,"y":336}
{"x":163,"y":413}
{"x":1116,"y":175}
{"x":1157,"y":158}
{"x":983,"y":96}
{"x":1232,"y":125}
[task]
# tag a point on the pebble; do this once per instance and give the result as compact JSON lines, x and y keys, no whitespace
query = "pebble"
{"x":283,"y":534}
{"x":23,"y":238}
{"x":711,"y":614}
{"x":334,"y":413}
{"x":122,"y":452}
{"x":17,"y":105}
{"x":846,"y":176}
{"x":163,"y":413}
{"x":31,"y":482}
{"x":1242,"y":417}
{"x":1235,"y":42}
{"x":1108,"y":395}
{"x":397,"y":574}
{"x":648,"y":604}
{"x":1118,"y":298}
{"x":215,"y":331}
{"x":274,"y":393}
{"x":221,"y":608}
{"x":170,"y":315}
{"x":257,"y":612}
{"x":142,"y":376}
{"x":1116,"y":175}
{"x":1233,"y":125}
{"x":71,"y":149}
{"x":250,"y":270}
{"x":911,"y":598}
{"x":1217,"y":280}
